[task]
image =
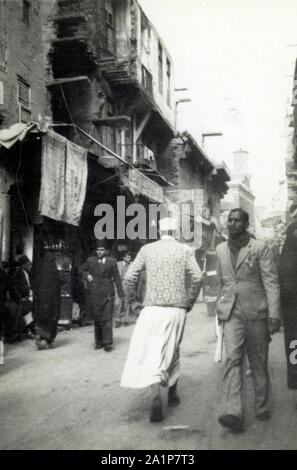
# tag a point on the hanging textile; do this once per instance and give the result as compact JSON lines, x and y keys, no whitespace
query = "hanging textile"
{"x":52,"y":190}
{"x":64,"y":172}
{"x":75,"y":183}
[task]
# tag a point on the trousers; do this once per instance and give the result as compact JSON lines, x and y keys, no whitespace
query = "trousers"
{"x":252,"y":337}
{"x":103,"y":325}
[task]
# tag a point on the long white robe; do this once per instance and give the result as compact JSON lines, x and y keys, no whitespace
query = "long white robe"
{"x":153,"y":355}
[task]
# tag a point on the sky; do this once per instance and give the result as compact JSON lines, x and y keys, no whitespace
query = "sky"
{"x":237,"y":60}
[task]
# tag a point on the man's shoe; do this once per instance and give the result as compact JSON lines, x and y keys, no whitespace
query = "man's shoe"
{"x":31,"y":335}
{"x":173,"y":398}
{"x":156,"y":410}
{"x":173,"y":401}
{"x":264,"y":416}
{"x":126,"y":323}
{"x":41,"y":344}
{"x":234,"y":423}
{"x":98,"y":346}
{"x":108,"y":348}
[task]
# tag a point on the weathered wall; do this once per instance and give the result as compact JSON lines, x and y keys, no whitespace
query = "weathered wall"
{"x":178,"y":168}
{"x":25,"y":58}
{"x":147,"y":50}
{"x":123,"y":27}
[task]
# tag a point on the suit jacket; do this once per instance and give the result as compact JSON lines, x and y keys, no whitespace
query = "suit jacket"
{"x":105,"y":276}
{"x":253,"y":285}
{"x":169,"y":266}
{"x":122,"y":267}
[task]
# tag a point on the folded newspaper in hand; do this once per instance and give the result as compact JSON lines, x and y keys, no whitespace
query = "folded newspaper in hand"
{"x":219,"y":346}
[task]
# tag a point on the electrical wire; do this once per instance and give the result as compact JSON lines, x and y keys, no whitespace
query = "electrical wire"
{"x":69,"y":113}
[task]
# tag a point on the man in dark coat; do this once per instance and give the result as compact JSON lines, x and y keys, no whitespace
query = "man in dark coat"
{"x":288,"y":283}
{"x":21,"y":294}
{"x":101,"y":272}
{"x":47,"y":300}
{"x":7,"y":320}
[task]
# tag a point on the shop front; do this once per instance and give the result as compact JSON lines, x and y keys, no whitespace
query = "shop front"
{"x":53,"y":189}
{"x":45,"y":182}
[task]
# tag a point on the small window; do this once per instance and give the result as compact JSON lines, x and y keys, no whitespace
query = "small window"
{"x":160,"y":67}
{"x":23,"y":93}
{"x":109,"y":13}
{"x":168,"y":73}
{"x":109,"y":20}
{"x":110,"y":107}
{"x":147,"y":80}
{"x":145,"y":33}
{"x":26,"y":12}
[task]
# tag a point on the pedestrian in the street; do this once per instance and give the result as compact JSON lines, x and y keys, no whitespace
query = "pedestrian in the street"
{"x":249,"y":307}
{"x":153,"y":357}
{"x":288,"y":283}
{"x":123,"y":307}
{"x":7,"y":320}
{"x":22,"y":295}
{"x":101,"y":273}
{"x":46,"y":286}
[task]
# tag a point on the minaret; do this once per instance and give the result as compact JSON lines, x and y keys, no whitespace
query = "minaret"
{"x":241,"y":173}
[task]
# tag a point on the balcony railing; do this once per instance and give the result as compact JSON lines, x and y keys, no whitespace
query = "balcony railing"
{"x":115,"y":72}
{"x":66,"y":7}
{"x":145,"y":156}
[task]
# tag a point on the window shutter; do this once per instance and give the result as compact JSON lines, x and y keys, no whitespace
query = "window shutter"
{"x":24,"y":93}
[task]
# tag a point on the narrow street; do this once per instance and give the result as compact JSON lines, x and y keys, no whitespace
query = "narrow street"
{"x":70,"y":398}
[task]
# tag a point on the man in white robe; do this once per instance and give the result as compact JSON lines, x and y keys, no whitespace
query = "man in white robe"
{"x":173,"y":281}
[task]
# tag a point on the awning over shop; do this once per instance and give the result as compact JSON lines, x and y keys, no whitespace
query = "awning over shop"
{"x":141,"y":184}
{"x":64,"y":171}
{"x":16,"y":132}
{"x":135,"y":181}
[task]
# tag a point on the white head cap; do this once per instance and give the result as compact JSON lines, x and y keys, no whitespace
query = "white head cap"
{"x":167,"y":224}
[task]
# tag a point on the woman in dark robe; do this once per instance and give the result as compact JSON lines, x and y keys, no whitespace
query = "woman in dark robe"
{"x":288,"y":287}
{"x":47,"y":292}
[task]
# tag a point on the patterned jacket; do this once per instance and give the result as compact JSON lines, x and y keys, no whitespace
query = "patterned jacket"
{"x":173,"y":278}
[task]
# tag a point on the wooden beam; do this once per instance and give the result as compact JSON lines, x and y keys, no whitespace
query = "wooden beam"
{"x":142,"y":125}
{"x":70,"y":16}
{"x":62,"y":81}
{"x":69,"y":39}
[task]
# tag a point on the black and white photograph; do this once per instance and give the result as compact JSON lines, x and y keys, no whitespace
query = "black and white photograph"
{"x":148,"y":227}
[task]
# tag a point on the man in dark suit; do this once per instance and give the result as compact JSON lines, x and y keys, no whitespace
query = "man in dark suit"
{"x":21,"y":294}
{"x":101,"y":273}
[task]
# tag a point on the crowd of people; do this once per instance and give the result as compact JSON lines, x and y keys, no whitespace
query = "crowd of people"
{"x":30,"y":300}
{"x":254,"y":292}
{"x":251,"y":294}
{"x":30,"y":304}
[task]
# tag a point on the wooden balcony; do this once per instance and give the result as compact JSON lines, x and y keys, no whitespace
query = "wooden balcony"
{"x":116,"y":73}
{"x":66,"y":7}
